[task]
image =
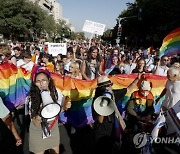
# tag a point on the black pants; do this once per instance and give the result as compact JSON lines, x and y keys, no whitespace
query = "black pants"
{"x":103,"y":137}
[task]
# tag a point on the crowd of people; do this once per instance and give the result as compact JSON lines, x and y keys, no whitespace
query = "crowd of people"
{"x":81,"y":62}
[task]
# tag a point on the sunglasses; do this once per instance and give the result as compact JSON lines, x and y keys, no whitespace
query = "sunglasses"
{"x":108,"y":85}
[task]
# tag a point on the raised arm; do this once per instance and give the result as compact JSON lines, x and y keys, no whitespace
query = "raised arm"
{"x":134,"y":83}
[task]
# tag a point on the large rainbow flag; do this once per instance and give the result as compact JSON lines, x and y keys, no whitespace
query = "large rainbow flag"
{"x":81,"y":93}
{"x":171,"y":44}
{"x":15,"y":84}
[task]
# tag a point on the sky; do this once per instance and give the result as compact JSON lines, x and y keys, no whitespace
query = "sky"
{"x":101,"y":11}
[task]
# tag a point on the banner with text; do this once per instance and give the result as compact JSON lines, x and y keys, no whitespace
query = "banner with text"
{"x":57,"y":48}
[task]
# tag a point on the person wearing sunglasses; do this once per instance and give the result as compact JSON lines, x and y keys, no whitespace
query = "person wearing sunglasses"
{"x":104,"y":125}
{"x":162,"y":66}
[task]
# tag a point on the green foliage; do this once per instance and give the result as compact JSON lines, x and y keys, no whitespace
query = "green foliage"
{"x":23,"y":17}
{"x":155,"y":20}
{"x":80,"y":36}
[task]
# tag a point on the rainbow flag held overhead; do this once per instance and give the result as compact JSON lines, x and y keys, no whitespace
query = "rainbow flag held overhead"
{"x":15,"y":85}
{"x":171,"y":44}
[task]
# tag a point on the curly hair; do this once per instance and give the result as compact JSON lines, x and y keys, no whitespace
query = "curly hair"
{"x":35,"y":96}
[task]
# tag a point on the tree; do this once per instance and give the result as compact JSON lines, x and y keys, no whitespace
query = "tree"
{"x":107,"y":36}
{"x":155,"y":19}
{"x":22,"y":17}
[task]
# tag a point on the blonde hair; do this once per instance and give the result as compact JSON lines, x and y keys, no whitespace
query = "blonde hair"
{"x":77,"y":68}
{"x":176,"y":64}
{"x":175,"y":70}
{"x":75,"y":65}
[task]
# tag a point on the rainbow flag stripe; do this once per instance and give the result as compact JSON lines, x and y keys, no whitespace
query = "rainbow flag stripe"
{"x":171,"y":44}
{"x":81,"y":93}
{"x":15,"y":85}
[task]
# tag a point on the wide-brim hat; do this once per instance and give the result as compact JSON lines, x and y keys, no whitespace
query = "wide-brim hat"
{"x":103,"y":81}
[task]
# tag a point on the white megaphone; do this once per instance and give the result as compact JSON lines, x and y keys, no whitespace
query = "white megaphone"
{"x":104,"y":105}
{"x":50,"y":109}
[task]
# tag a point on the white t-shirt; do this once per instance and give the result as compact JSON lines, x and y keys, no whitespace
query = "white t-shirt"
{"x":67,"y":64}
{"x":162,"y":70}
{"x":3,"y":109}
{"x":172,"y":94}
{"x":152,"y":68}
{"x":27,"y":66}
{"x":128,"y":68}
{"x":149,"y":61}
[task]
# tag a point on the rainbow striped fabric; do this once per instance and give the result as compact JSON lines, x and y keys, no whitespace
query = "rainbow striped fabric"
{"x":81,"y":93}
{"x":171,"y":44}
{"x":15,"y":84}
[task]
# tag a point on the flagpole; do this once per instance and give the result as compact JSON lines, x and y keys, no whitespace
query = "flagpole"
{"x":90,"y":39}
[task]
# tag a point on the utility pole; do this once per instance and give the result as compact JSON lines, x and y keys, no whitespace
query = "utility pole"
{"x":119,"y":31}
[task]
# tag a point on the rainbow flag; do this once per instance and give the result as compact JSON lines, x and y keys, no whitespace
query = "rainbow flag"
{"x":171,"y":44}
{"x":15,"y":84}
{"x":81,"y":93}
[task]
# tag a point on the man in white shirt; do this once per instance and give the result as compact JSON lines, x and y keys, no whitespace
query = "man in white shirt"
{"x":162,"y":66}
{"x":129,"y":66}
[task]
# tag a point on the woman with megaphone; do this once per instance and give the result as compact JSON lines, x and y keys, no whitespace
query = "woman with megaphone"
{"x":104,"y":112}
{"x":44,"y":102}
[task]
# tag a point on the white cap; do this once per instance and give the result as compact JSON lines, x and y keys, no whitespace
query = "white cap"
{"x":145,"y":85}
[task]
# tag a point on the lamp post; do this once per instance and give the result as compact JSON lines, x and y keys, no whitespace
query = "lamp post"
{"x":119,"y":31}
{"x":118,"y":40}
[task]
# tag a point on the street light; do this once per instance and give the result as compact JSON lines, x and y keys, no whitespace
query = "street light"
{"x":119,"y":31}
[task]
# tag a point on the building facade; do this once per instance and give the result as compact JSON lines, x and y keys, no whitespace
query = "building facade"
{"x":57,"y":12}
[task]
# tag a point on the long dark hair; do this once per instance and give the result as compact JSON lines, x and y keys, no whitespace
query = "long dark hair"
{"x":35,"y":96}
{"x":91,"y":49}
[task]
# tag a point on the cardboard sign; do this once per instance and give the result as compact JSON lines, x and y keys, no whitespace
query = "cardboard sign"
{"x":57,"y":48}
{"x":94,"y":27}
